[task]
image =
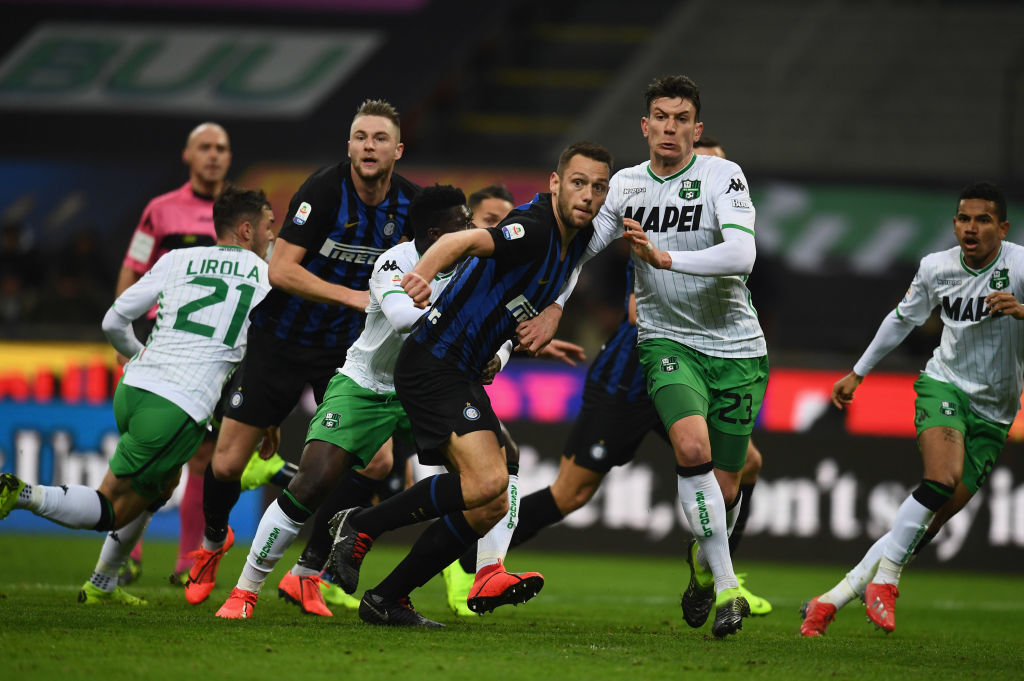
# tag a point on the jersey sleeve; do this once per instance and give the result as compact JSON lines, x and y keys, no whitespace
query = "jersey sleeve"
{"x":386,"y":289}
{"x":608,"y":221}
{"x":313,"y":210}
{"x":520,"y":239}
{"x":138,"y":298}
{"x":919,"y":300}
{"x":142,"y":247}
{"x":730,"y":196}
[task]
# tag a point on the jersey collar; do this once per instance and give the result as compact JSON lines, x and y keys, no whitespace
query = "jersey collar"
{"x":693,"y":159}
{"x":986,"y":268}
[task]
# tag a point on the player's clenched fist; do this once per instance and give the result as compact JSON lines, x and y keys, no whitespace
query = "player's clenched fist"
{"x":417,"y":287}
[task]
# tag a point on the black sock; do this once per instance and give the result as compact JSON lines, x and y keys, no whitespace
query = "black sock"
{"x":429,"y":498}
{"x":354,"y":489}
{"x":436,"y":548}
{"x":218,"y":500}
{"x":741,"y":520}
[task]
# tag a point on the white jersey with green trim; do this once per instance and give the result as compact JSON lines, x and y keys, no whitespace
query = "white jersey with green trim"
{"x":687,"y":211}
{"x":370,"y":361}
{"x":981,"y":354}
{"x":203,"y":296}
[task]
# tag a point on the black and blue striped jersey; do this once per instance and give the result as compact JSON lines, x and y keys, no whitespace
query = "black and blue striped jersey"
{"x":488,"y":297}
{"x":616,"y":369}
{"x":343,"y":237}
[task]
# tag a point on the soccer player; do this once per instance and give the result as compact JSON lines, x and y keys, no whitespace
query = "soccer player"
{"x":690,"y":222}
{"x":514,"y":270}
{"x":339,"y":221}
{"x":181,"y":219}
{"x":169,"y":387}
{"x":967,"y":395}
{"x":615,"y":417}
{"x":359,"y":411}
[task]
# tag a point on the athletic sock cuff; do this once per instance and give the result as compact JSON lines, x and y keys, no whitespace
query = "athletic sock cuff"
{"x":932,"y":495}
{"x":106,"y":521}
{"x":458,"y":526}
{"x":291,"y":507}
{"x":691,"y":471}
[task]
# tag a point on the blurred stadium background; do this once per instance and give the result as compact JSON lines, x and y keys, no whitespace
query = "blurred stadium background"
{"x":856,"y":123}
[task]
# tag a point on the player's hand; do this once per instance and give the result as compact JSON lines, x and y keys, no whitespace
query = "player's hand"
{"x":642,"y":246}
{"x":417,"y":287}
{"x":842,"y":391}
{"x":270,"y":443}
{"x":490,"y":371}
{"x":564,"y":351}
{"x":537,"y":332}
{"x":359,"y":300}
{"x":1004,"y":303}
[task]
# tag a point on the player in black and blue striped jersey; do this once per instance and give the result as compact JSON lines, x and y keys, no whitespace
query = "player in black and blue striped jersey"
{"x":338,"y":222}
{"x":512,"y":272}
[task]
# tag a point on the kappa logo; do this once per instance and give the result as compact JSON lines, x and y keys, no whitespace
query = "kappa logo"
{"x":302,"y":214}
{"x":690,"y":190}
{"x":390,"y":266}
{"x":736,"y":184}
{"x":633,"y":190}
{"x":1000,"y":279}
{"x":513,"y":231}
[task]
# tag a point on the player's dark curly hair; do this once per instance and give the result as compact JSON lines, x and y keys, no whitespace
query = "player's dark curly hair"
{"x":379,"y":107}
{"x":986,"y":191}
{"x":672,"y":87}
{"x":428,"y":208}
{"x":591,"y":150}
{"x":236,"y":205}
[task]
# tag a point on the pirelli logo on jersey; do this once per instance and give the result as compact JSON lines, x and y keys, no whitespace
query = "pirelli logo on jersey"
{"x":359,"y":255}
{"x":664,"y":218}
{"x":961,"y":310}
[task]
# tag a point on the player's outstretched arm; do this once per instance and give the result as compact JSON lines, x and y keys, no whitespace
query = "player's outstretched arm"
{"x":445,"y":252}
{"x":288,"y":274}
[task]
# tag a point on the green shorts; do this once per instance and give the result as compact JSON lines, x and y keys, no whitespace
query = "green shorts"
{"x":727,"y":392}
{"x":157,"y":438}
{"x":943,"y":405}
{"x":358,"y":420}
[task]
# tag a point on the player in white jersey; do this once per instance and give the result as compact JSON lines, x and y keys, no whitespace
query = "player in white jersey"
{"x":359,"y":411}
{"x":967,"y":395}
{"x":690,"y":221}
{"x":170,"y":386}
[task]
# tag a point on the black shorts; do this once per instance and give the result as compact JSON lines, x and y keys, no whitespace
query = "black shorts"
{"x":440,"y":400}
{"x":609,"y":429}
{"x":268,"y":383}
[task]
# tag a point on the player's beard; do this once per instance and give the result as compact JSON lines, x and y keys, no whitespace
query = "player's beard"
{"x":381,"y":172}
{"x":565,"y":214}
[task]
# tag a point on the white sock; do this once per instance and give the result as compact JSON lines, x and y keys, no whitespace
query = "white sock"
{"x":116,"y":548}
{"x":732,"y":514}
{"x":302,"y":571}
{"x":275,"y":534}
{"x":493,"y":546}
{"x":75,"y":506}
{"x":912,"y":520}
{"x":704,"y":507}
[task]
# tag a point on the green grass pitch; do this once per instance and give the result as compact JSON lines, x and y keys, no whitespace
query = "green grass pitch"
{"x":598,"y":617}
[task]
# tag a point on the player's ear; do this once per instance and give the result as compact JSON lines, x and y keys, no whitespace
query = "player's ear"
{"x":399,"y":149}
{"x":553,"y":183}
{"x":643,"y":125}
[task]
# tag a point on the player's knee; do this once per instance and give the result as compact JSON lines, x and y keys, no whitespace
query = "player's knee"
{"x":228,"y":468}
{"x":481,"y":490}
{"x":692,"y":451}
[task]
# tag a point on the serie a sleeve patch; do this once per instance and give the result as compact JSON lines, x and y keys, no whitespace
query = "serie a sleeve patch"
{"x":141,"y":247}
{"x":302,"y":214}
{"x":513,"y":231}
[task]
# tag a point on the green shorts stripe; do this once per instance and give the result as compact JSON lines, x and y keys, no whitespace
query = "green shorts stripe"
{"x":943,"y":405}
{"x":157,"y":438}
{"x":358,"y":420}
